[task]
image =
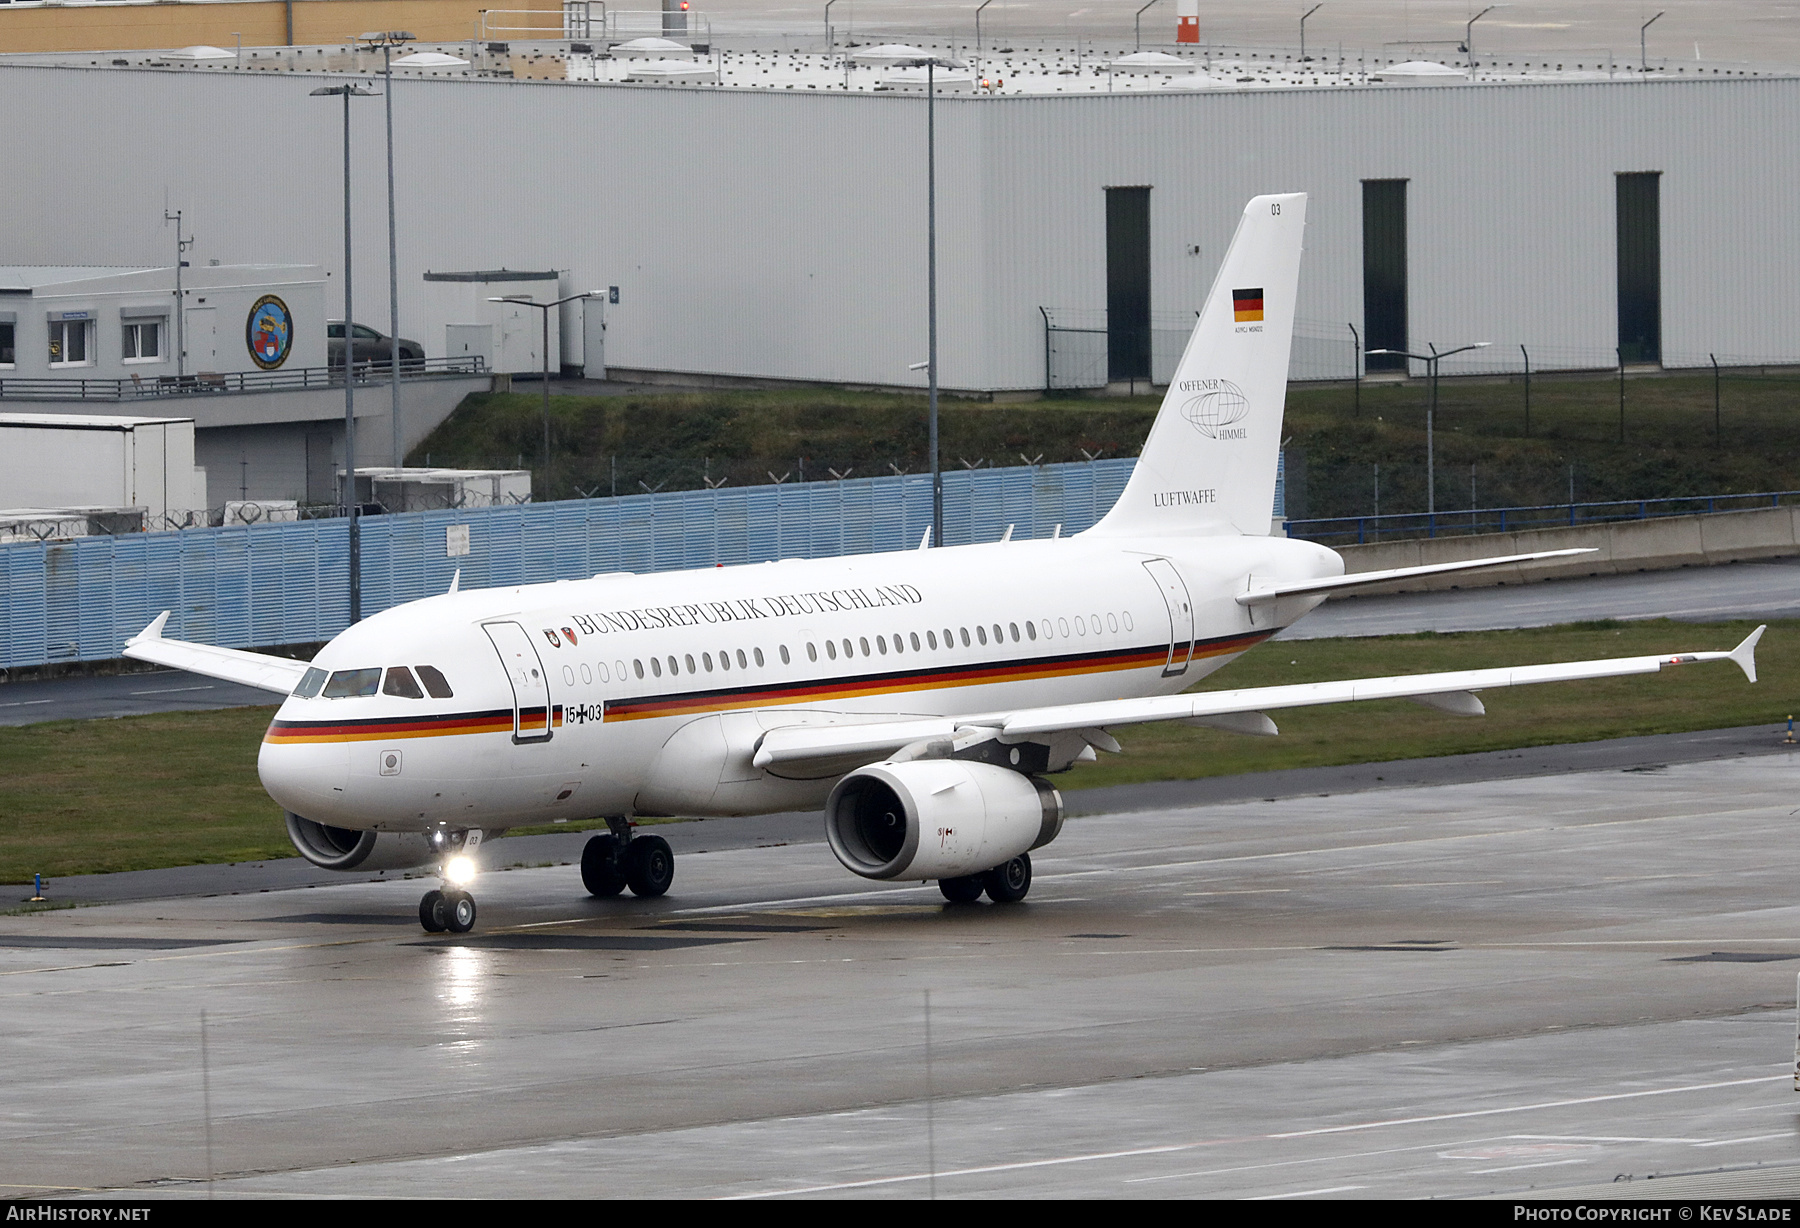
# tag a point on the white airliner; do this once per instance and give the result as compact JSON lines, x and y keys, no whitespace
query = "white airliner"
{"x":920,"y":696}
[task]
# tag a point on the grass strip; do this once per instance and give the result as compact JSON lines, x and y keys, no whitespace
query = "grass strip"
{"x":180,"y":788}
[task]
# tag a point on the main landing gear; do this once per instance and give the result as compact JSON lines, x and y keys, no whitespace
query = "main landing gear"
{"x":618,"y":860}
{"x":1006,"y":883}
{"x":451,"y":908}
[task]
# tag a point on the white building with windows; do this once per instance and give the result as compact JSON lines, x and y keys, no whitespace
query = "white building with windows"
{"x":112,"y":323}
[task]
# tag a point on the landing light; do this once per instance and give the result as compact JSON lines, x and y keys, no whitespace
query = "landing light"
{"x":460,"y":870}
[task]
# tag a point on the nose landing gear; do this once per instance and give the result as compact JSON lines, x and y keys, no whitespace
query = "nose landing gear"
{"x":618,"y":860}
{"x":451,"y":908}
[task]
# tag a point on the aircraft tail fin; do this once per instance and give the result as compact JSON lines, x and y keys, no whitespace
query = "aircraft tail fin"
{"x":1208,"y":467}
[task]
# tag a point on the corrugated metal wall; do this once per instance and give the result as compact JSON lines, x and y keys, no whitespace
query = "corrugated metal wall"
{"x":780,"y":233}
{"x":260,"y":585}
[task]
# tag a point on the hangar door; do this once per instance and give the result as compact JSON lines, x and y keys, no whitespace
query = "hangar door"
{"x":1640,"y":266}
{"x":1384,"y":272}
{"x":1127,"y":283}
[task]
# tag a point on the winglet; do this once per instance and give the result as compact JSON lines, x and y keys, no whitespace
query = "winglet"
{"x":1744,"y":655}
{"x":925,"y":542}
{"x":455,"y":581}
{"x":153,"y":632}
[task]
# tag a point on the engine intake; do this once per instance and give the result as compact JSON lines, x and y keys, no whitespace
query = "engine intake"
{"x":343,"y":848}
{"x":938,"y":818}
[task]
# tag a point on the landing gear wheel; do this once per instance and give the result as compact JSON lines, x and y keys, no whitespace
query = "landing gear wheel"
{"x":460,"y":907}
{"x":434,"y":912}
{"x":965,"y":890}
{"x":601,"y":873}
{"x":649,"y":866}
{"x":1008,"y":882}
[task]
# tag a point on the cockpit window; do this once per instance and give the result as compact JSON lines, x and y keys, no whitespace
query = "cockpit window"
{"x":400,"y":683}
{"x":310,"y":683}
{"x":347,"y":683}
{"x":435,"y":684}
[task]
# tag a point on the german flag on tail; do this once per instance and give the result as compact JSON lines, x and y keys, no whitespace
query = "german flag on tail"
{"x":1246,"y":305}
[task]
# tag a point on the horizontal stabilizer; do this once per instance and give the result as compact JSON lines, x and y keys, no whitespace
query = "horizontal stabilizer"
{"x":277,"y":674}
{"x":1361,"y":579}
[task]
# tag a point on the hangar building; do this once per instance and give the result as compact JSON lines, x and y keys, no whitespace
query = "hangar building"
{"x":770,"y":228}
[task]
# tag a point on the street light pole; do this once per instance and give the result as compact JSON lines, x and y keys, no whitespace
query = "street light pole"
{"x":349,"y":91}
{"x":545,"y":309}
{"x":387,"y":40}
{"x":1469,"y":34}
{"x":937,"y":476}
{"x":1137,"y":27}
{"x":978,"y":8}
{"x":1644,"y":44}
{"x":930,"y":65}
{"x":1431,"y":361}
{"x":1308,"y":13}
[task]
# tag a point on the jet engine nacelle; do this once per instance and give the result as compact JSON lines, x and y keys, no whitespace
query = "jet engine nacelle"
{"x":938,"y":818}
{"x":343,"y":848}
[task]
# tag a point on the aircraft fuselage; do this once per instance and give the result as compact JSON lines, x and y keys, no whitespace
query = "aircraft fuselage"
{"x":632,"y":695}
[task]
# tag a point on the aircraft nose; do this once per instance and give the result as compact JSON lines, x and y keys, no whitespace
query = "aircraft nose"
{"x":308,"y":778}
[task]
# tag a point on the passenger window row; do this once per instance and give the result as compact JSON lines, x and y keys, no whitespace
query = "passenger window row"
{"x":983,"y":634}
{"x":404,"y":683}
{"x":354,"y":683}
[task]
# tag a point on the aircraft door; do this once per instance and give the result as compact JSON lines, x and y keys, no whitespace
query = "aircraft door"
{"x":1181,"y":614}
{"x":530,"y":684}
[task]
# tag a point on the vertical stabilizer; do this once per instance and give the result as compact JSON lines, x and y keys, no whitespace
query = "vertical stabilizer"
{"x":1208,"y":467}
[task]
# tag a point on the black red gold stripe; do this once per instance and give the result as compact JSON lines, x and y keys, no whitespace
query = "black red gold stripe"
{"x":531,"y":719}
{"x":499,"y":720}
{"x":901,"y":681}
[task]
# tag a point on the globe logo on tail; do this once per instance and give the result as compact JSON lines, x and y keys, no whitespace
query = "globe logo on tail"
{"x":1222,"y":404}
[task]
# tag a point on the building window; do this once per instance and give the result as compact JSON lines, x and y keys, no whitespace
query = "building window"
{"x":69,"y":343}
{"x":142,"y":341}
{"x":6,"y":346}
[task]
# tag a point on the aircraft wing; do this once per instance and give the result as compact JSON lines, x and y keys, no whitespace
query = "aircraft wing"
{"x":1240,"y":710}
{"x":278,"y":674}
{"x":1272,"y":592}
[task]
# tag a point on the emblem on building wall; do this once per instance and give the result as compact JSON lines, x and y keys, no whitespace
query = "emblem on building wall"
{"x":269,"y":332}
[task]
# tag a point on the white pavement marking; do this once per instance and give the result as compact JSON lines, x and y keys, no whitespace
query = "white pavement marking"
{"x":1513,"y":1168}
{"x":1754,"y":1138}
{"x":1526,"y":1108}
{"x":169,"y":690}
{"x":1604,"y":1138}
{"x":1330,"y":1189}
{"x":1170,"y":1148}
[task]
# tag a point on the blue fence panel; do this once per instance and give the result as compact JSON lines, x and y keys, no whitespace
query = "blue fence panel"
{"x":288,"y":583}
{"x":24,"y":618}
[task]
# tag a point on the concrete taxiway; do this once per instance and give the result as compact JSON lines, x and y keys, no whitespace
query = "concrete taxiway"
{"x":1476,"y":988}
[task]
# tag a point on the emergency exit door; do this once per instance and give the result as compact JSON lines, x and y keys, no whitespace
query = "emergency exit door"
{"x":1181,"y":615}
{"x":530,"y":684}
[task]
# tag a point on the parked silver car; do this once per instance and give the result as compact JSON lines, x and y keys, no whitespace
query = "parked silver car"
{"x":371,"y":348}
